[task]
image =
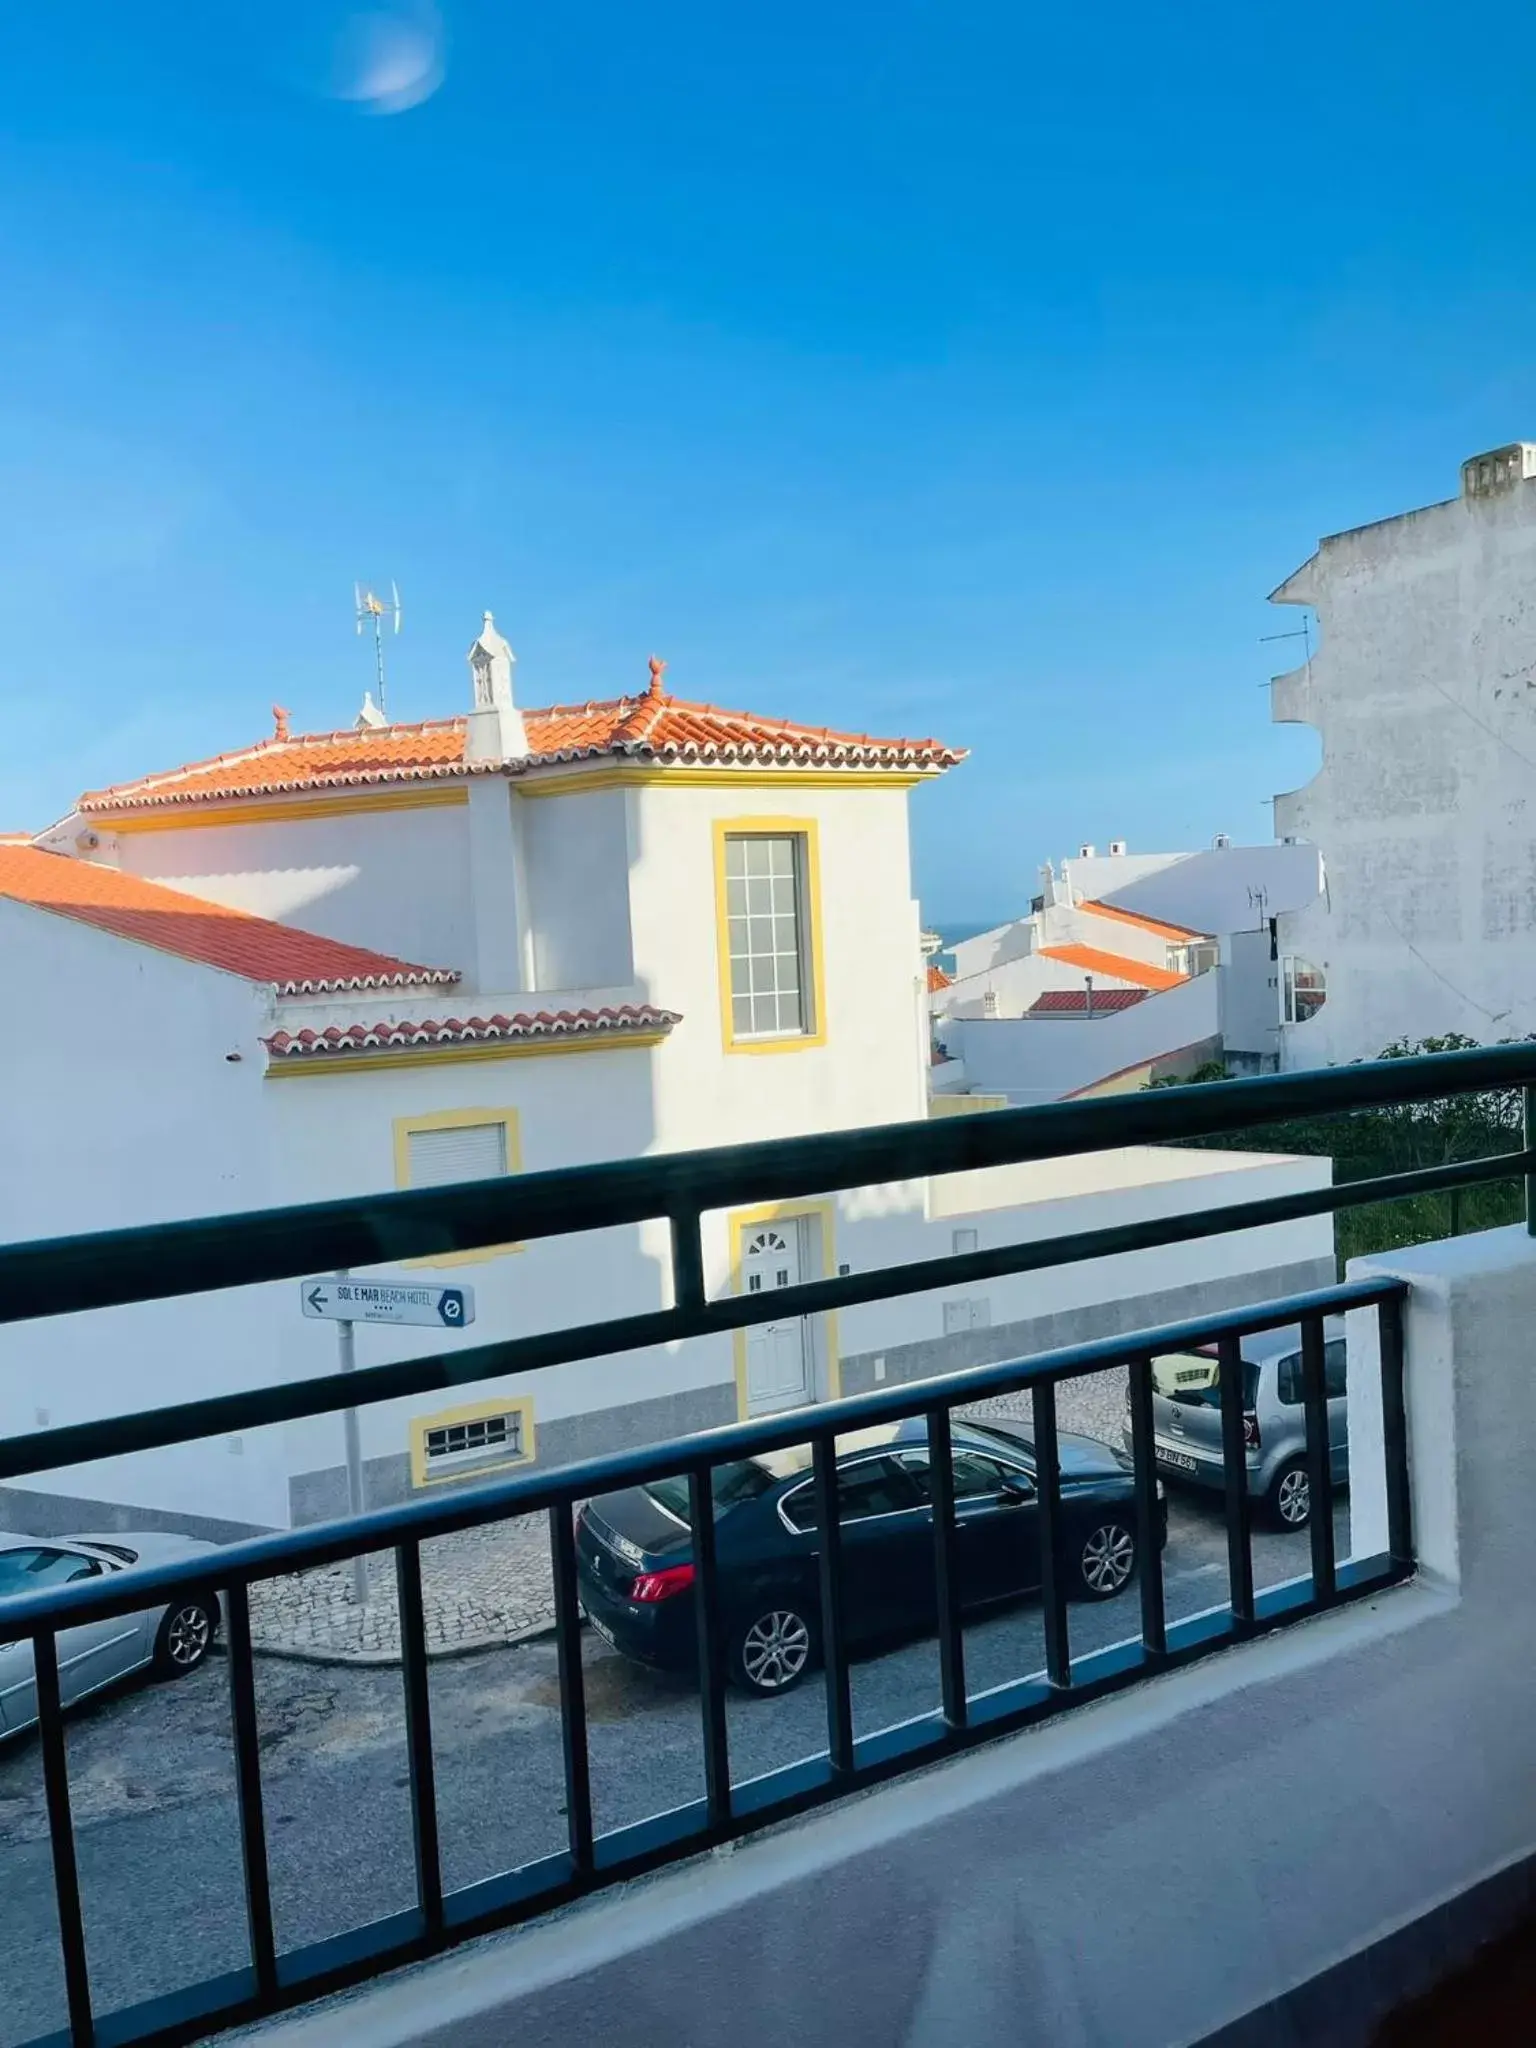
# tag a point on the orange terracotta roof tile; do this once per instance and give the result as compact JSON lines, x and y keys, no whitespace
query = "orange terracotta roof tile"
{"x":1093,"y":961}
{"x":641,"y":728}
{"x":294,"y":962}
{"x":938,"y":979}
{"x":624,"y":1020}
{"x":1155,"y":925}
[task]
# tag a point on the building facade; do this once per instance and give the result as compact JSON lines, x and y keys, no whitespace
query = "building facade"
{"x":1423,"y":694}
{"x":404,"y":956}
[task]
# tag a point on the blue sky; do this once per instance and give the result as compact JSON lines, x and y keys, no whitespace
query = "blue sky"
{"x":969,"y":369}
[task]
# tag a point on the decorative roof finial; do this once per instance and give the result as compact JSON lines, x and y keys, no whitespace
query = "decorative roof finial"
{"x":658,"y":669}
{"x":279,"y":722}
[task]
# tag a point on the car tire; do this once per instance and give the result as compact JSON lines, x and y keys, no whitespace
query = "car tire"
{"x":1106,"y":1560}
{"x":1290,"y":1496}
{"x":773,"y":1646}
{"x":185,"y":1636}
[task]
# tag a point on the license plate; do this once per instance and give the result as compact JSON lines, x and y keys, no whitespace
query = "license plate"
{"x":1178,"y":1461}
{"x":603,"y":1630}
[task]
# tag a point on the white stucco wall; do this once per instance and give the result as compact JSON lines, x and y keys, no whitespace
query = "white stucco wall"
{"x":120,"y":1106}
{"x":1422,"y":694}
{"x":1215,"y":891}
{"x":1293,"y":1801}
{"x":395,"y":880}
{"x":577,"y":857}
{"x":871,"y":1068}
{"x":1040,"y":1059}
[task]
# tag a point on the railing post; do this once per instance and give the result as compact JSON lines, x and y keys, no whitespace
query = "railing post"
{"x":1234,"y":1455}
{"x":833,"y":1647}
{"x":1530,"y":1146}
{"x":951,"y":1641}
{"x":1058,"y":1648}
{"x":1394,"y":1432}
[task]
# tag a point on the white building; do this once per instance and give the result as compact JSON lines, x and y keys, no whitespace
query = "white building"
{"x":1422,"y":695}
{"x":1127,"y":969}
{"x":411,"y":954}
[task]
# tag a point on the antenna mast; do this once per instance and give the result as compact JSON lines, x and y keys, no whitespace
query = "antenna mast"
{"x":372,"y":610}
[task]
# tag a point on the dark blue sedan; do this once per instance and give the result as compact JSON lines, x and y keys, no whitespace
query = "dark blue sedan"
{"x":634,"y":1549}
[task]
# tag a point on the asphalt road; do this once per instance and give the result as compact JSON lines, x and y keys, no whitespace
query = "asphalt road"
{"x":152,"y":1780}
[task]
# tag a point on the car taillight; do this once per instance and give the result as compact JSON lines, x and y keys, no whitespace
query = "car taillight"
{"x":653,"y":1586}
{"x":1251,"y":1432}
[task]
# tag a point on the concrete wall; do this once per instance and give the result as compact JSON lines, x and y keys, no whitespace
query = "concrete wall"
{"x":1250,"y":1005}
{"x":1143,"y":1873}
{"x":1421,"y":695}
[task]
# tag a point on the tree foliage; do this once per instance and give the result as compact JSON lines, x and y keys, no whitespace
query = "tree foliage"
{"x":1365,"y":1144}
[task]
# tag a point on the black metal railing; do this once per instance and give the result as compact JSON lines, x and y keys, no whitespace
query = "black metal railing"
{"x":43,"y":1279}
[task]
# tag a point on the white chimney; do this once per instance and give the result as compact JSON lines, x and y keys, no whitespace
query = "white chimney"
{"x":495,"y":731}
{"x":1221,"y":842}
{"x":1118,"y":849}
{"x":1086,"y":852}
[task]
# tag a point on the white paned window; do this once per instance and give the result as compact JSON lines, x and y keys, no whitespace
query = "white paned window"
{"x":473,"y":1442}
{"x":438,"y":1158}
{"x":961,"y":1317}
{"x":771,"y":996}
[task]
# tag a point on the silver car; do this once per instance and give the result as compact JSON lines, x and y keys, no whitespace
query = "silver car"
{"x":1186,"y":1418}
{"x":172,"y":1638}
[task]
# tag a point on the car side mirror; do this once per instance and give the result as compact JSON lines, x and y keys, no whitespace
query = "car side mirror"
{"x":1017,"y":1490}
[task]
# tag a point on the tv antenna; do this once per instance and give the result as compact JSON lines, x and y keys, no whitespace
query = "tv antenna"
{"x":1303,"y":633}
{"x":372,"y":609}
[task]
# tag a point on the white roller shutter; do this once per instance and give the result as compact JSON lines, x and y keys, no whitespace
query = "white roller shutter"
{"x":462,"y":1152}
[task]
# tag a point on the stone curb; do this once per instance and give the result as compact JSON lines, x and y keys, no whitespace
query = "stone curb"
{"x":293,"y":1653}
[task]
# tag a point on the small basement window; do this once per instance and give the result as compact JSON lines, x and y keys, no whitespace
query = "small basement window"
{"x":471,"y":1440}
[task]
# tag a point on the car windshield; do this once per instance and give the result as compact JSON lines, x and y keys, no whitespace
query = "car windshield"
{"x":980,"y":1437}
{"x":26,"y":1571}
{"x":733,"y":1483}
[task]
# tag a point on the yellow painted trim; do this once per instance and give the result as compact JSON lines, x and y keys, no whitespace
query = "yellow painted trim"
{"x":295,"y":1066}
{"x":802,"y":828}
{"x":455,"y":1120}
{"x":964,"y":1105}
{"x":519,"y":1405}
{"x":682,"y":777}
{"x":738,"y":1223}
{"x":201,"y":817}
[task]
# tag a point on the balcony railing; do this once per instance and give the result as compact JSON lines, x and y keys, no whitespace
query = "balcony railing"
{"x":70,"y":1275}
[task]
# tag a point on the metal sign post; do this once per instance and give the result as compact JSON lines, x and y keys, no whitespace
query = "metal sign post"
{"x":346,"y":1302}
{"x":346,"y":1358}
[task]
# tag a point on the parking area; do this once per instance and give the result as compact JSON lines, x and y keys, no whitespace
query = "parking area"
{"x":157,"y":1829}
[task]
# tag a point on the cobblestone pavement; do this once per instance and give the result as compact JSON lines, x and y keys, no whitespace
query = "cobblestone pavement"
{"x":483,"y":1587}
{"x":480,"y":1587}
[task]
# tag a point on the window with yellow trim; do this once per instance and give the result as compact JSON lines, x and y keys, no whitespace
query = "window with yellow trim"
{"x":767,"y":935}
{"x":447,"y":1147}
{"x":465,"y":1442}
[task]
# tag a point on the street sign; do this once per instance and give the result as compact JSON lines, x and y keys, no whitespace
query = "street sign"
{"x":388,"y":1301}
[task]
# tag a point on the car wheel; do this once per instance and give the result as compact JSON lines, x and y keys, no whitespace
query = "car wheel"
{"x":774,"y":1648}
{"x":186,"y":1635}
{"x":1290,"y":1497}
{"x":1106,"y":1561}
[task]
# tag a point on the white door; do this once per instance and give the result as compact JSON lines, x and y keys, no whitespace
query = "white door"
{"x":779,"y":1366}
